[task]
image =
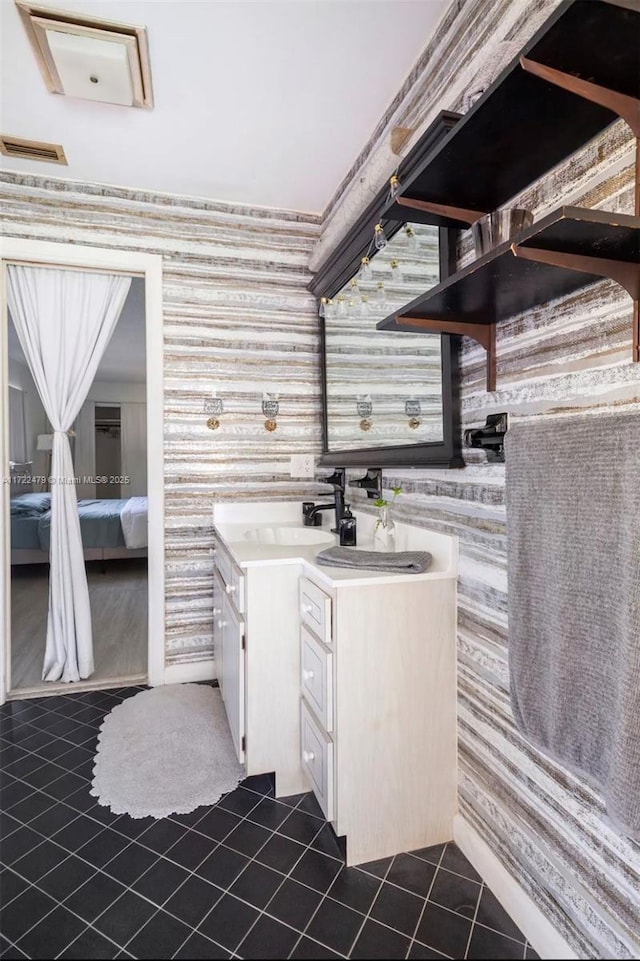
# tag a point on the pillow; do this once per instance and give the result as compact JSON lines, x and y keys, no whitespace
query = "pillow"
{"x":30,"y":505}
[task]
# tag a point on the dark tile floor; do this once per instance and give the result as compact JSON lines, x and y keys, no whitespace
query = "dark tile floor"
{"x":249,"y":877}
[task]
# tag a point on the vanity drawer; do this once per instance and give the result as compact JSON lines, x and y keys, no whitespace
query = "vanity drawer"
{"x":315,"y":610}
{"x":231,"y":575}
{"x":316,"y":677}
{"x":317,"y":760}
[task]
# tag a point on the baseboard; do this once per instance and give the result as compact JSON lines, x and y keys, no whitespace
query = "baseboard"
{"x":54,"y":688}
{"x":190,"y":672}
{"x":541,"y":934}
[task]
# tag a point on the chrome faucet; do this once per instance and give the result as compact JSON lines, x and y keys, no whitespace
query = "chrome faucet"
{"x":311,"y":512}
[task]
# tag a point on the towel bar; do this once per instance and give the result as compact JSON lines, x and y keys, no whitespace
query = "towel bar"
{"x":490,"y":437}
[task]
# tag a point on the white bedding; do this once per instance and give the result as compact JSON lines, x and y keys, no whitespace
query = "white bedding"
{"x":134,"y":522}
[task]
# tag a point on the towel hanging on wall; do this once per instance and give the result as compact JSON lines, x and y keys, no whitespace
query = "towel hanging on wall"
{"x":573,"y":532}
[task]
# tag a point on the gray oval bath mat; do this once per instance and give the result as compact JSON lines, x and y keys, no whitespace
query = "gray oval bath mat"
{"x":165,"y":751}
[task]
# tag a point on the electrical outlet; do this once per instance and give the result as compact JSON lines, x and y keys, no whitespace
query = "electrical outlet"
{"x":302,"y":465}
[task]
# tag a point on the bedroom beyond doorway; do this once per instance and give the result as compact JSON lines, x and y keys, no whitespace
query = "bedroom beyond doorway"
{"x":109,"y":451}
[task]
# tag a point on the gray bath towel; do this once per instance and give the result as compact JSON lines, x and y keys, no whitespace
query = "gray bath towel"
{"x":573,"y":529}
{"x":402,"y":562}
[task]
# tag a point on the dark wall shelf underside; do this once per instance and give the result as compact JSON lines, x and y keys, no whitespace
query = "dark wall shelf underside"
{"x":499,"y":284}
{"x":523,"y":125}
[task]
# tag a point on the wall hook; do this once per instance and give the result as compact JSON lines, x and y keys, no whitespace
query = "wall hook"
{"x":214,"y":407}
{"x":270,"y":408}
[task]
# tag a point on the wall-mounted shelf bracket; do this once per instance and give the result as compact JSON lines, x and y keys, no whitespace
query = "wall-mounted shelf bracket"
{"x":626,"y":107}
{"x":622,"y":272}
{"x":620,"y":103}
{"x":483,"y":334}
{"x":462,"y":214}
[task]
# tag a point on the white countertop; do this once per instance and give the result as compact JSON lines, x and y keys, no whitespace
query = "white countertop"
{"x":234,"y":520}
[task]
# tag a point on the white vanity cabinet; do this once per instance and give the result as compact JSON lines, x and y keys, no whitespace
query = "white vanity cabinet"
{"x":342,"y":682}
{"x":378,"y":703}
{"x":257,"y":661}
{"x":229,"y":633}
{"x":231,"y":661}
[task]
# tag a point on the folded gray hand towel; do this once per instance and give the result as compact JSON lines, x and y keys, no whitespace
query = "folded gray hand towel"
{"x":403,"y":562}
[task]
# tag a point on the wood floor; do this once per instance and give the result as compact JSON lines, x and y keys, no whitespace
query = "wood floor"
{"x":119,"y":612}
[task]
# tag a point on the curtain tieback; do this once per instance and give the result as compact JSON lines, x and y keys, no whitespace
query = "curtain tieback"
{"x":69,"y":433}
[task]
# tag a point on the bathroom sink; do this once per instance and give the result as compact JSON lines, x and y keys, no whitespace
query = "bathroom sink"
{"x":289,"y":536}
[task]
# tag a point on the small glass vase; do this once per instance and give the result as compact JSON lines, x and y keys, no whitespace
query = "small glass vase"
{"x":384,"y":535}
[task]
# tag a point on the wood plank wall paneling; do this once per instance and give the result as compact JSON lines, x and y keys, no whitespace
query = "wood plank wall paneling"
{"x":570,"y":356}
{"x":238,"y":319}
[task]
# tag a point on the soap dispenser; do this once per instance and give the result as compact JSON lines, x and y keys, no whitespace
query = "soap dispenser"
{"x":347,"y":529}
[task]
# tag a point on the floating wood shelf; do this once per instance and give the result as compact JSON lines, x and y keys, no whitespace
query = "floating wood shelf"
{"x":574,"y":78}
{"x":569,"y":249}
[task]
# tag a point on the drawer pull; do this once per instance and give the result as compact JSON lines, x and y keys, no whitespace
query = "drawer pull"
{"x":308,"y":756}
{"x":306,"y":608}
{"x":307,"y":675}
{"x":222,"y":624}
{"x":216,"y":611}
{"x":230,"y":588}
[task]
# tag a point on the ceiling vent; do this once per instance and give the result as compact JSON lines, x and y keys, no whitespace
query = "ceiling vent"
{"x":92,"y":59}
{"x":32,"y":149}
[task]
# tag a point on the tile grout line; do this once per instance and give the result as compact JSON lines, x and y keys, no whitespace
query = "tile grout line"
{"x":413,"y":938}
{"x":325,"y":896}
{"x":104,"y":826}
{"x":32,"y":884}
{"x":190,"y":873}
{"x":473,"y":920}
{"x":89,"y":927}
{"x":193,"y":872}
{"x":98,"y":871}
{"x":95,"y":869}
{"x":45,"y":760}
{"x":284,"y":879}
{"x":57,"y":904}
{"x":163,"y":857}
{"x":368,"y":914}
{"x":188,"y":829}
{"x":159,"y":856}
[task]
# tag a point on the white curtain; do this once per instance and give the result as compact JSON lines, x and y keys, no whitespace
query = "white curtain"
{"x":64,"y":320}
{"x":133,"y":442}
{"x":84,"y":450}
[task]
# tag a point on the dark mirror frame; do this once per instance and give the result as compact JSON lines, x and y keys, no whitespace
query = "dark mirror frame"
{"x":340,"y":267}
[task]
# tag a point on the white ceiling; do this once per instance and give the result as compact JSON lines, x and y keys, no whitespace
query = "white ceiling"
{"x":124,"y":360}
{"x":266,"y":102}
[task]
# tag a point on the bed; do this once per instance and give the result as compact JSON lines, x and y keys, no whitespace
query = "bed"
{"x":110,"y":528}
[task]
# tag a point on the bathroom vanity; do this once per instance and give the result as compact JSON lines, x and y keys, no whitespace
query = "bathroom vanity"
{"x":341,"y":681}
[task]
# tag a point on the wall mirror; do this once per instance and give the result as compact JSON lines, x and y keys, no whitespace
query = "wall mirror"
{"x":389,"y":397}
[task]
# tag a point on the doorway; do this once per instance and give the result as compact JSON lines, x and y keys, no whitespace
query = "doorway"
{"x":132,"y":650}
